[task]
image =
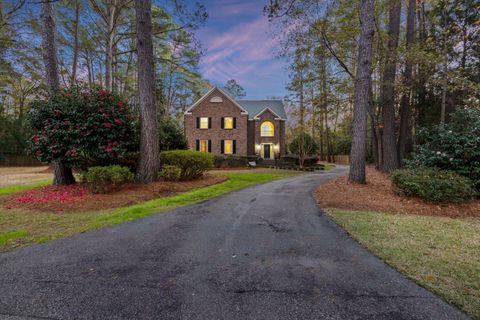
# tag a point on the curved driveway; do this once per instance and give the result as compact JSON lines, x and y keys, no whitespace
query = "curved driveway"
{"x":264,"y":252}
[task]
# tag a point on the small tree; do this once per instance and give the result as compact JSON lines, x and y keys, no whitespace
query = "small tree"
{"x":81,"y":129}
{"x":303,"y":145}
{"x":234,"y":89}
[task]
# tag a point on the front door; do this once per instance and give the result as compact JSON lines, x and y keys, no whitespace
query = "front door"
{"x":266,"y":151}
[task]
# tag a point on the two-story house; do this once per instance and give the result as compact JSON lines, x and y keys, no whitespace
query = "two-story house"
{"x":219,"y":124}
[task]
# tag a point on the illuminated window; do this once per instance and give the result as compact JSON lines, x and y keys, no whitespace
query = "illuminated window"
{"x":266,"y":129}
{"x":228,"y":147}
{"x":204,"y":123}
{"x":228,"y":122}
{"x":204,"y":145}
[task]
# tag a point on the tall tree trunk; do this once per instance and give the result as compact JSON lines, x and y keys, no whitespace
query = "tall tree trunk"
{"x":62,"y":174}
{"x":444,"y":63}
{"x":109,"y":46}
{"x":363,"y":79}
{"x":390,"y":156}
{"x":403,"y":135}
{"x":75,"y":43}
{"x":149,"y":162}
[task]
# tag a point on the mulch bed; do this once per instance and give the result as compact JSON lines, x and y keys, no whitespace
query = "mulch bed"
{"x":379,"y":195}
{"x":77,"y":198}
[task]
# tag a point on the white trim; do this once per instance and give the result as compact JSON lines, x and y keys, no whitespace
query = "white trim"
{"x":189,"y":110}
{"x":256,"y":117}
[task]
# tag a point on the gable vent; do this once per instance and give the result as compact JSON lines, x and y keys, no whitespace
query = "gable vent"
{"x":216,"y":99}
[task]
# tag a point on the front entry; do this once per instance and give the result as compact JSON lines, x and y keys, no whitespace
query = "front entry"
{"x":267,"y":151}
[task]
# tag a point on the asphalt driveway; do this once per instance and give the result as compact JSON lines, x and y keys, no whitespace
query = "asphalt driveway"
{"x":264,"y":252}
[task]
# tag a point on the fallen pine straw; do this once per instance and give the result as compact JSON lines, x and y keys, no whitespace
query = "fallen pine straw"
{"x":379,"y":195}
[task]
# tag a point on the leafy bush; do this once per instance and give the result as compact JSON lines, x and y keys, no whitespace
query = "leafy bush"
{"x":454,"y":146}
{"x":230,"y":161}
{"x":82,"y":128}
{"x":170,"y":173}
{"x":105,"y":179}
{"x":192,"y":164}
{"x":293,"y":159}
{"x":433,"y":185}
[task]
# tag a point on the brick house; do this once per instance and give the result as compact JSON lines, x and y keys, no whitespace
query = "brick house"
{"x":219,"y":124}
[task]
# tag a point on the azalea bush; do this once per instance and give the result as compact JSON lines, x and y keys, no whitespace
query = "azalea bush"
{"x":82,"y":128}
{"x":454,"y":146}
{"x":433,"y":185}
{"x":192,"y":164}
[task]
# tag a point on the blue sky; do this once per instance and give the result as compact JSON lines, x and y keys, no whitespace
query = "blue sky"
{"x":240,"y":44}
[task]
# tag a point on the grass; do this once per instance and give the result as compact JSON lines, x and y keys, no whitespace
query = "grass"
{"x":39,"y":227}
{"x":16,"y":188}
{"x":441,"y":254}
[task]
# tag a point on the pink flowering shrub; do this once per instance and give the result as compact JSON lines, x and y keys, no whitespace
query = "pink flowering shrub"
{"x":82,"y":128}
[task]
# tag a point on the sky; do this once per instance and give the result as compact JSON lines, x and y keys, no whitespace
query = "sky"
{"x":240,"y":45}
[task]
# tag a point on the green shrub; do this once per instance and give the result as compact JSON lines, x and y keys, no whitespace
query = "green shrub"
{"x":192,"y":164}
{"x":230,"y":161}
{"x":293,"y":160}
{"x":170,"y":173}
{"x":106,"y":179}
{"x":454,"y":146}
{"x":433,"y":185}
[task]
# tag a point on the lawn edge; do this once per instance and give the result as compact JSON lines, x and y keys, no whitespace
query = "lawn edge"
{"x":328,"y":213}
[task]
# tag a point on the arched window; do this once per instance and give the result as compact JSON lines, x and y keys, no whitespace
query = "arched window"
{"x":266,"y":129}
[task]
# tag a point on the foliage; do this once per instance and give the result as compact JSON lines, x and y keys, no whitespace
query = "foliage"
{"x":105,"y":179}
{"x":171,"y":136}
{"x":193,"y":164}
{"x":293,"y":159}
{"x":454,"y":146}
{"x":230,"y":161}
{"x":342,"y":145}
{"x":170,"y":173}
{"x":303,"y":145}
{"x":82,"y":128}
{"x":433,"y":185}
{"x":234,"y":89}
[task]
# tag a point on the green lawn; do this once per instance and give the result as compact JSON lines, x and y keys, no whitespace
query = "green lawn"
{"x":20,"y":228}
{"x":441,"y":254}
{"x":16,"y":188}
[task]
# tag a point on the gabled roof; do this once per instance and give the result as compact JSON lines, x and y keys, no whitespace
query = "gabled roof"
{"x":257,"y":107}
{"x":253,"y":108}
{"x":188,"y":111}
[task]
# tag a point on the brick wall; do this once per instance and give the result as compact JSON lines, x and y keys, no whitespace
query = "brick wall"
{"x":216,"y":111}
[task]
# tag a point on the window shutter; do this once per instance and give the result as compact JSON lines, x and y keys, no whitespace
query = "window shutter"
{"x":198,"y":123}
{"x":197,"y":144}
{"x":222,"y":146}
{"x":234,"y":122}
{"x":234,"y":146}
{"x":222,"y":123}
{"x":209,"y":122}
{"x":209,"y":145}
